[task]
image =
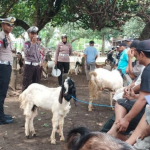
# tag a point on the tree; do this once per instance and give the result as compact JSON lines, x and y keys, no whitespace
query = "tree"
{"x":31,"y":12}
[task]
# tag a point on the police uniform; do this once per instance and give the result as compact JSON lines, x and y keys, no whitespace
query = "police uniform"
{"x":32,"y":61}
{"x":6,"y":60}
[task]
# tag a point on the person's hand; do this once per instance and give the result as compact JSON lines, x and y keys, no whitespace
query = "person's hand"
{"x":127,"y":70}
{"x":34,"y":40}
{"x":55,"y":63}
{"x":122,"y":124}
{"x":145,"y":133}
{"x":131,"y":95}
{"x":126,"y":91}
{"x":131,"y":53}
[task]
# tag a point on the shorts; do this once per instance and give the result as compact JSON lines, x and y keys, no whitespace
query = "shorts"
{"x":128,"y":104}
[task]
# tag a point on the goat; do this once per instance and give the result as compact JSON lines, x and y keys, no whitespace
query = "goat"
{"x":55,"y":99}
{"x":101,"y":79}
{"x":82,"y":139}
{"x":45,"y":66}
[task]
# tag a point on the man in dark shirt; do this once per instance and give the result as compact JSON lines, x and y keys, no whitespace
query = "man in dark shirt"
{"x":128,"y":112}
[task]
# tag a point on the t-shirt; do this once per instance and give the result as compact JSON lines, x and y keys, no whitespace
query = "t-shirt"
{"x":90,"y":52}
{"x":145,"y":79}
{"x":123,"y":62}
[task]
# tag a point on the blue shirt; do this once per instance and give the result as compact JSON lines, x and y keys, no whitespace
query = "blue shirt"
{"x":123,"y":62}
{"x":90,"y":52}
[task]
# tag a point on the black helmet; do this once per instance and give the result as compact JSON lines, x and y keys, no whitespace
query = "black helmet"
{"x":63,"y":36}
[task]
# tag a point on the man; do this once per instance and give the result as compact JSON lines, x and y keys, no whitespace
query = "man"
{"x":6,"y":60}
{"x":133,"y":71}
{"x":20,"y":62}
{"x":123,"y":61}
{"x":130,"y":112}
{"x":31,"y":50}
{"x":129,"y":41}
{"x":90,"y":55}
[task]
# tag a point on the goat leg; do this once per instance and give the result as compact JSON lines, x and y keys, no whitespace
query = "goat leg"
{"x":111,"y":100}
{"x":90,"y":104}
{"x":27,"y":122}
{"x":61,"y":123}
{"x":55,"y":125}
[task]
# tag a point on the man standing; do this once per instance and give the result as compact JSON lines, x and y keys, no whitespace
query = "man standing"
{"x":32,"y":59}
{"x":90,"y":54}
{"x":123,"y":61}
{"x":6,"y":60}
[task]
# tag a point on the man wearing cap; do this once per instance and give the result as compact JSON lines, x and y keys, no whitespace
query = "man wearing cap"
{"x":133,"y":71}
{"x":123,"y":61}
{"x":90,"y":54}
{"x":129,"y":112}
{"x":63,"y":51}
{"x":6,"y":59}
{"x":31,"y":50}
{"x":129,"y":41}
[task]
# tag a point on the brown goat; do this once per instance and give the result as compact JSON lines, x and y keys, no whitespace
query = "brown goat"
{"x":82,"y":139}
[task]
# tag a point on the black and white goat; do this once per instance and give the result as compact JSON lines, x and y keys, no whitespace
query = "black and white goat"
{"x":55,"y":99}
{"x":82,"y":139}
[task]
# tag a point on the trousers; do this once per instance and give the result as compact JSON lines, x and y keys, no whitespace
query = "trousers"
{"x":31,"y":74}
{"x":64,"y":68}
{"x":5,"y":73}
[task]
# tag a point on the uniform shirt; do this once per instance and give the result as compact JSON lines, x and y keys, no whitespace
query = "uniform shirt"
{"x":63,"y":49}
{"x":90,"y":52}
{"x":123,"y":61}
{"x":145,"y":79}
{"x":5,"y":53}
{"x":32,"y":52}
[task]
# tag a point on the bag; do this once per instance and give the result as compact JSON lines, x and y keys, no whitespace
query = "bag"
{"x":56,"y":72}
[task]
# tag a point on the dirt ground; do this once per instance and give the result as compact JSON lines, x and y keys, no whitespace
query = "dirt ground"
{"x":12,"y":136}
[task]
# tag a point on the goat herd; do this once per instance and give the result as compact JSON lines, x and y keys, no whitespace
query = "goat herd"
{"x":57,"y":100}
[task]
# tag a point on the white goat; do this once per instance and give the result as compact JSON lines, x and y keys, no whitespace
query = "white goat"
{"x":55,"y":99}
{"x":101,"y":79}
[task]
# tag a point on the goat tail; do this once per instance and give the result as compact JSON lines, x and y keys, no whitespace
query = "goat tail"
{"x":76,"y":138}
{"x":26,"y":104}
{"x":93,"y":87}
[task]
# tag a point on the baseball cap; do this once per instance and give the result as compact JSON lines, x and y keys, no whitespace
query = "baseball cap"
{"x":123,"y":44}
{"x":129,"y":40}
{"x":144,"y":46}
{"x":91,"y":42}
{"x":9,"y":20}
{"x":134,"y":43}
{"x":33,"y":29}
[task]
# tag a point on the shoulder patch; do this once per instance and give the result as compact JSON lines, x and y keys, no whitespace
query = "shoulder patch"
{"x":1,"y":42}
{"x":26,"y":45}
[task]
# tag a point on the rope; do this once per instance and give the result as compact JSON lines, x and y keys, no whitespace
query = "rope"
{"x":92,"y":103}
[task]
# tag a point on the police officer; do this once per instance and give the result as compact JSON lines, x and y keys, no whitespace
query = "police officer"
{"x":63,"y":51}
{"x":31,"y":50}
{"x":6,"y":59}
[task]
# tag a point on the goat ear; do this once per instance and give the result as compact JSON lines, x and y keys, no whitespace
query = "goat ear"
{"x":61,"y":96}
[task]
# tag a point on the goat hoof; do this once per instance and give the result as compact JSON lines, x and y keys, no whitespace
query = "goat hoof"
{"x":27,"y":137}
{"x":53,"y":141}
{"x":34,"y":135}
{"x":62,"y":139}
{"x":90,"y":109}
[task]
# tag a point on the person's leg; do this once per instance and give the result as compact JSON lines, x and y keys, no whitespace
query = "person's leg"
{"x":5,"y":73}
{"x":27,"y":76}
{"x":120,"y":112}
{"x":87,"y":71}
{"x":141,"y":126}
{"x":60,"y":66}
{"x":36,"y":74}
{"x":66,"y":69}
{"x":92,"y":66}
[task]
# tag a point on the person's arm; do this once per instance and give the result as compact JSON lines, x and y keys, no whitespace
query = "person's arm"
{"x":130,"y":67}
{"x":137,"y":107}
{"x":96,"y":54}
{"x":56,"y":54}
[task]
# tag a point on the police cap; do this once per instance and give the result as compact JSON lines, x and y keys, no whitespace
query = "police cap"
{"x":9,"y":20}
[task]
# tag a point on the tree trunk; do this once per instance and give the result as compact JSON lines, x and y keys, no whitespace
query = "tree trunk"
{"x":103,"y":45}
{"x":145,"y":33}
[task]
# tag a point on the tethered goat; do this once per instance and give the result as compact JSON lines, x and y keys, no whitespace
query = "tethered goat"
{"x":55,"y":99}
